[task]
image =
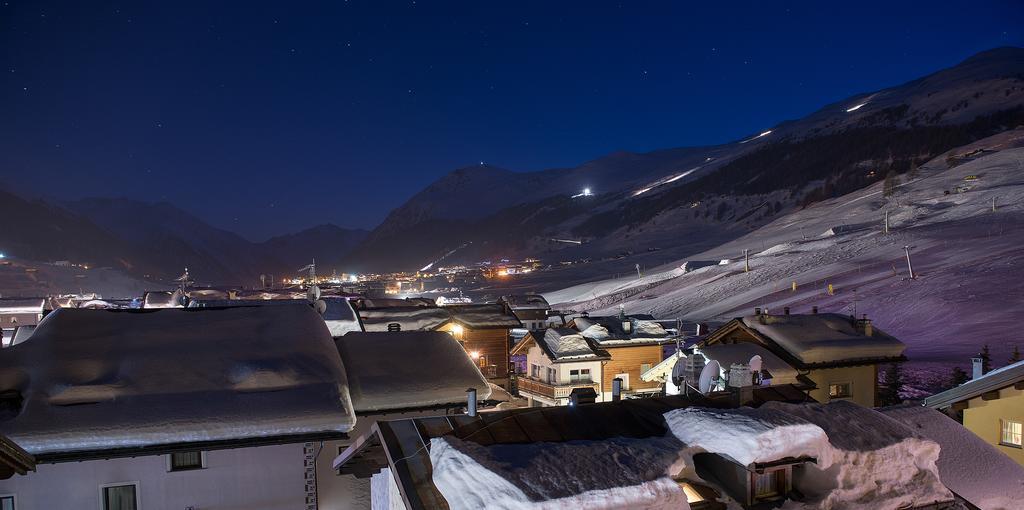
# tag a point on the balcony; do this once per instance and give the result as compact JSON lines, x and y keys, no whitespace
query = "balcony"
{"x":553,"y":391}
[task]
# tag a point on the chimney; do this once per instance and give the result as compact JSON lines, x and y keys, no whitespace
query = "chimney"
{"x":616,"y":389}
{"x":785,"y":310}
{"x":814,"y":310}
{"x":394,"y":326}
{"x":471,"y":401}
{"x":627,"y":326}
{"x":977,"y":364}
{"x":864,"y":326}
{"x":741,"y":384}
{"x":757,"y":310}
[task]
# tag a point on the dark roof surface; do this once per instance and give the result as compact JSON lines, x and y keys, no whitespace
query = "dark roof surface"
{"x":96,"y":382}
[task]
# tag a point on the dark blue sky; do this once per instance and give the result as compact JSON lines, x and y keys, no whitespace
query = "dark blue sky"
{"x":268,"y":119}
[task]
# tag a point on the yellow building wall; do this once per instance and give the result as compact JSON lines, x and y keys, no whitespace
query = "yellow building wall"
{"x":983,"y":418}
{"x":863,"y":382}
{"x":627,"y":360}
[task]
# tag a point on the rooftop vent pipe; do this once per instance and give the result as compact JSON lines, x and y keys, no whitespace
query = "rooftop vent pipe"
{"x":394,"y":326}
{"x":978,"y":368}
{"x":471,"y":401}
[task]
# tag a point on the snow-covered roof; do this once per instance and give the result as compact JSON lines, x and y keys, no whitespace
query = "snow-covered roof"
{"x":22,"y":305}
{"x":727,"y":354}
{"x":340,"y":317}
{"x":429,"y":369}
{"x":824,"y":338}
{"x":614,"y":473}
{"x":410,"y":318}
{"x":162,"y":299}
{"x":484,"y":316}
{"x":565,"y":344}
{"x":102,"y":381}
{"x":970,"y":467}
{"x":526,"y":302}
{"x":611,"y":331}
{"x":994,"y":380}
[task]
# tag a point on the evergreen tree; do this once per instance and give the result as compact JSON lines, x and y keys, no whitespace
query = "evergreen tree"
{"x":958,"y":377}
{"x":889,"y":391}
{"x":889,"y":186}
{"x":986,"y":359}
{"x":1015,"y":355}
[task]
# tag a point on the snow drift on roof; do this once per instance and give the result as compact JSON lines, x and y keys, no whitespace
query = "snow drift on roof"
{"x":565,"y":343}
{"x":527,"y":302}
{"x":610,"y":330}
{"x":611,"y":474}
{"x":408,"y":369}
{"x":410,"y":318}
{"x":340,"y":316}
{"x":484,"y":316}
{"x":969,"y":466}
{"x":823,"y":338}
{"x":95,"y":380}
{"x":746,"y":435}
{"x":863,"y":458}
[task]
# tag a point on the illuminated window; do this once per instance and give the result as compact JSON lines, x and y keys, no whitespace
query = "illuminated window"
{"x":840,"y":390}
{"x":1012,"y":433}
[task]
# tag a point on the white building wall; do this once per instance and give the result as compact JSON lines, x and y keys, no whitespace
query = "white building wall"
{"x":263,"y":478}
{"x":535,"y":356}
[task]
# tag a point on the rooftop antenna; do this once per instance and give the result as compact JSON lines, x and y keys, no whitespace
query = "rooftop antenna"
{"x":184,"y":281}
{"x":746,"y":261}
{"x":707,"y":376}
{"x":886,"y":221}
{"x":638,"y":271}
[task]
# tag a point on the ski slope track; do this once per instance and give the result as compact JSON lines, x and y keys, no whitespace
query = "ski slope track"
{"x":967,"y":259}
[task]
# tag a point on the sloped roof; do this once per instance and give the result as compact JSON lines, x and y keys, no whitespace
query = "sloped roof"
{"x":22,"y":305}
{"x":99,"y":383}
{"x":410,"y":318}
{"x":483,"y":316}
{"x":431,"y":369}
{"x":608,"y":331}
{"x":565,"y":344}
{"x":526,"y":302}
{"x":162,"y":299}
{"x":992,"y":381}
{"x":824,"y":338}
{"x":340,"y":317}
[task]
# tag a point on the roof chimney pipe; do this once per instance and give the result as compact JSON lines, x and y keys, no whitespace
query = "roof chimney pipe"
{"x":394,"y":326}
{"x":757,"y":310}
{"x":785,"y":310}
{"x":471,"y":401}
{"x":978,"y":368}
{"x":741,"y":383}
{"x":814,"y":310}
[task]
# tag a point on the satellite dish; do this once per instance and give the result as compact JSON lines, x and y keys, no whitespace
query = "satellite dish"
{"x":320,"y":306}
{"x":708,"y":375}
{"x":755,"y":363}
{"x":679,"y":371}
{"x":313,"y":293}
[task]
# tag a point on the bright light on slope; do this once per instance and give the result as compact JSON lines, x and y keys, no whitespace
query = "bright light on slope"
{"x":766,"y":133}
{"x":855,"y":108}
{"x":667,"y":181}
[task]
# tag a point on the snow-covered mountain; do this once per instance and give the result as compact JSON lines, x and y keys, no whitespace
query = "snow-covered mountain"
{"x":691,"y":198}
{"x":326,"y":243}
{"x":961,"y":214}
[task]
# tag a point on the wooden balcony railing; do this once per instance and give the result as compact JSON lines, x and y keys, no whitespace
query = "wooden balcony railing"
{"x":558,"y":390}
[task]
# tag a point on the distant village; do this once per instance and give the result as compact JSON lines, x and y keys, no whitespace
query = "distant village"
{"x":372,"y":391}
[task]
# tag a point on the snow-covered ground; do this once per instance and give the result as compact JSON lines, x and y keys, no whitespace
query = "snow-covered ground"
{"x":966,"y":259}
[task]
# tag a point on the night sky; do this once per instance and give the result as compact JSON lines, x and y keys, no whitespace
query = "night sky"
{"x":265,"y":119}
